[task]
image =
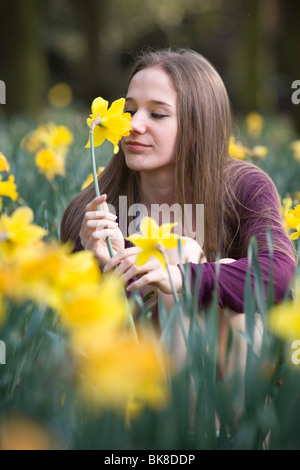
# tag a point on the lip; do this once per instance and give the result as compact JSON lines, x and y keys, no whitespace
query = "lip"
{"x":135,"y":145}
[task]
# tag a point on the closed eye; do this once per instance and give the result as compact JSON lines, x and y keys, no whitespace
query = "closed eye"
{"x":158,"y":116}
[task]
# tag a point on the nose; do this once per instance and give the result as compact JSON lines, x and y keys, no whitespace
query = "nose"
{"x":138,"y":122}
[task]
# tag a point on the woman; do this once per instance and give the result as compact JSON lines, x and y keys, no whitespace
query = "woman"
{"x":177,"y":153}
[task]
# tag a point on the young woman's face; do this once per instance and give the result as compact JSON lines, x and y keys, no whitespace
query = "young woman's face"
{"x":152,"y":102}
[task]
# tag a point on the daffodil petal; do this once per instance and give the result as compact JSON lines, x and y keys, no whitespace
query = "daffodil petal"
{"x":99,"y":136}
{"x":295,"y":236}
{"x":99,"y":106}
{"x":116,"y":107}
{"x":160,"y":258}
{"x":149,"y":228}
{"x":143,"y":257}
{"x":165,"y":230}
{"x":170,"y":244}
{"x":142,"y":242}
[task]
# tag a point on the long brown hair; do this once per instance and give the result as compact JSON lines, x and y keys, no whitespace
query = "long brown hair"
{"x":204,"y":128}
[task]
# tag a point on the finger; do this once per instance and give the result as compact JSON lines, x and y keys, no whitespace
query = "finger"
{"x":104,"y":233}
{"x":95,"y":203}
{"x":149,"y":278}
{"x":116,"y":260}
{"x":99,"y":215}
{"x":127,"y":268}
{"x":91,"y":219}
{"x":94,"y":225}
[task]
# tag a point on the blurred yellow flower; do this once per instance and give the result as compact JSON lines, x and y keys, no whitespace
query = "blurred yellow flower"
{"x":113,"y":125}
{"x":114,"y":368}
{"x":10,"y":281}
{"x":50,"y":163}
{"x":153,"y":239}
{"x":259,"y":151}
{"x":4,"y":165}
{"x":295,"y":235}
{"x":293,"y":220}
{"x":50,"y":272}
{"x":2,"y":308}
{"x":105,"y":304}
{"x":255,"y":124}
{"x":284,"y":319}
{"x":58,"y":138}
{"x":8,"y":188}
{"x":296,"y":149}
{"x":35,"y":139}
{"x":18,"y":231}
{"x":20,"y":433}
{"x":60,"y":95}
{"x":237,"y":150}
{"x":90,"y":178}
{"x":50,"y":136}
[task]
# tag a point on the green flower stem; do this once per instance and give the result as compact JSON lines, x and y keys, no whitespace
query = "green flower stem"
{"x":108,"y":242}
{"x":176,"y":298}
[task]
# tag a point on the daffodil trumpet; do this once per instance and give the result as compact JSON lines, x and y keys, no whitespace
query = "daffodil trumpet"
{"x":97,"y":191}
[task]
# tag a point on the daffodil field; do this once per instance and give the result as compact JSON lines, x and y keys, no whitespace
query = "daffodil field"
{"x":79,"y":368}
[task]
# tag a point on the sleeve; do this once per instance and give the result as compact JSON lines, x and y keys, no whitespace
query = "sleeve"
{"x":259,"y":209}
{"x":232,"y":276}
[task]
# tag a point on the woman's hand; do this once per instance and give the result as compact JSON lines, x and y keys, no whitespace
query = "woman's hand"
{"x":96,"y":226}
{"x":151,"y":273}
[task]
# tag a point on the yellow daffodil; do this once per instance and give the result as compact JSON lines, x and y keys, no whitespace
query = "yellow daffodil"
{"x":4,"y":165}
{"x":153,"y":239}
{"x":295,"y":235}
{"x":35,"y":139}
{"x":114,"y":368}
{"x":8,"y":188}
{"x":89,"y":179}
{"x":259,"y":151}
{"x":50,"y":136}
{"x":58,"y":138}
{"x":2,"y":309}
{"x":284,"y":320}
{"x":293,"y":220}
{"x":237,"y":150}
{"x":105,"y":305}
{"x":17,"y":230}
{"x":50,"y":272}
{"x":60,"y":95}
{"x":296,"y":149}
{"x":113,"y":122}
{"x":255,"y":124}
{"x":20,"y":433}
{"x":50,"y":163}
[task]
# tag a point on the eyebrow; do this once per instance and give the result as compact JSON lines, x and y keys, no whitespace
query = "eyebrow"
{"x":163,"y":103}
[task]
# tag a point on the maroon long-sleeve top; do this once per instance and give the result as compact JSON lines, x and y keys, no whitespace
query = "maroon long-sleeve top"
{"x":256,"y":196}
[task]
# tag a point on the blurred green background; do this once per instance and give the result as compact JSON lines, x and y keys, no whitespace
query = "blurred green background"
{"x":254,"y":44}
